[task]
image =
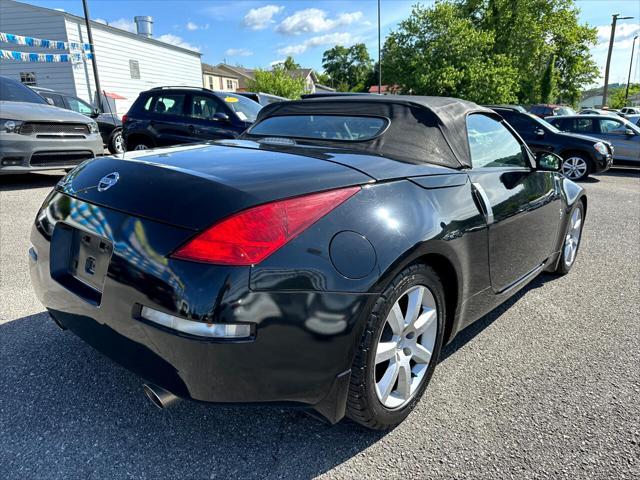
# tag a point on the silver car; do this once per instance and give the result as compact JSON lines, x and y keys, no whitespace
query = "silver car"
{"x":621,"y":133}
{"x":37,"y":136}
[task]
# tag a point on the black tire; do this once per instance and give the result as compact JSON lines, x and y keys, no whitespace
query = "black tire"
{"x":564,"y":266}
{"x":363,"y":404}
{"x":116,"y":142}
{"x":139,"y":143}
{"x":577,"y":157}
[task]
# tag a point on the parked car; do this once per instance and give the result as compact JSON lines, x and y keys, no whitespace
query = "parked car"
{"x":620,"y":132}
{"x":545,"y":110}
{"x":109,"y":124}
{"x":37,"y":136}
{"x":634,"y":118}
{"x":166,"y":116}
{"x":630,"y":111}
{"x":263,"y":98}
{"x":582,"y":155}
{"x":322,"y":259}
{"x":598,"y":111}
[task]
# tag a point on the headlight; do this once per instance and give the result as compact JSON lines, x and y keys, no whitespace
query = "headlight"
{"x":601,"y":148}
{"x":93,"y":127}
{"x":10,"y":126}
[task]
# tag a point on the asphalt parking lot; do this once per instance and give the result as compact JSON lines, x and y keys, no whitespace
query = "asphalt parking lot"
{"x":547,"y":386}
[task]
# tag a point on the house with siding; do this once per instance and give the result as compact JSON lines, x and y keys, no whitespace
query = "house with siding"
{"x":215,"y":78}
{"x":128,"y":63}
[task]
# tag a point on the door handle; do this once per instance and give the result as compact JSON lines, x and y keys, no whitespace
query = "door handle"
{"x":484,"y":201}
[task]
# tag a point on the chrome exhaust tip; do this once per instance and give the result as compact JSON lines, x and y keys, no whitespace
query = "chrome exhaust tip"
{"x":159,"y":396}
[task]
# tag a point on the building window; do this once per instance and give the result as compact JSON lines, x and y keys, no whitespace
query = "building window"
{"x":211,"y":83}
{"x":134,"y":69}
{"x":229,"y":84}
{"x":28,"y":78}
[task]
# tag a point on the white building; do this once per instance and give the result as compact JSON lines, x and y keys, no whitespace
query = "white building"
{"x":128,"y":63}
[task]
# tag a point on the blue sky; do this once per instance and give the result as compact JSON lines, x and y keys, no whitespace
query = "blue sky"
{"x":258,"y":33}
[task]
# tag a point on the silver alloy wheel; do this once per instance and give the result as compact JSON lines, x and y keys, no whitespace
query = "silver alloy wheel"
{"x":118,"y":143}
{"x":572,"y":239}
{"x":405,"y":347}
{"x":141,"y":146}
{"x":574,"y":167}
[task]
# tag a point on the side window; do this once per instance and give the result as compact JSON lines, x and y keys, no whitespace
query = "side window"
{"x":521,"y":123}
{"x":79,"y":106}
{"x":170,"y":104}
{"x":203,"y":106}
{"x":611,"y":126}
{"x":583,"y":125}
{"x":492,"y":145}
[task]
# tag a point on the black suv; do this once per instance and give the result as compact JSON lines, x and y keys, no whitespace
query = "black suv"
{"x":582,"y":154}
{"x":166,"y":116}
{"x":109,"y":124}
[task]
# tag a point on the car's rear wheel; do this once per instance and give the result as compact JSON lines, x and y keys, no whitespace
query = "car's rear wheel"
{"x":573,"y":235}
{"x":116,"y":142}
{"x":576,"y":167}
{"x":399,"y":349}
{"x":139,"y":143}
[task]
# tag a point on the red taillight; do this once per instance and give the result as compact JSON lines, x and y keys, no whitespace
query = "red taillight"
{"x":249,"y":237}
{"x":124,"y":118}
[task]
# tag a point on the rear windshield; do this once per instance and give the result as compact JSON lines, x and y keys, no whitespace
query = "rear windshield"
{"x":12,"y":91}
{"x":564,"y":111}
{"x":321,"y":127}
{"x":245,"y":108}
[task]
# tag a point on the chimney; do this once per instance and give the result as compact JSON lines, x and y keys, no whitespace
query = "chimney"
{"x":144,"y":26}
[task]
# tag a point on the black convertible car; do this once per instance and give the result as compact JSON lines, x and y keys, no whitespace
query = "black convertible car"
{"x":321,"y":260}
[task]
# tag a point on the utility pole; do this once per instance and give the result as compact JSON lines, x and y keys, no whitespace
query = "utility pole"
{"x":93,"y":54}
{"x":379,"y":54}
{"x":615,"y":18}
{"x":626,"y":93}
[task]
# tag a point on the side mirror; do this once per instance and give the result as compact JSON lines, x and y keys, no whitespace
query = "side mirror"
{"x":549,"y":162}
{"x":629,"y":132}
{"x":95,"y":113}
{"x":221,"y":117}
{"x":539,"y":132}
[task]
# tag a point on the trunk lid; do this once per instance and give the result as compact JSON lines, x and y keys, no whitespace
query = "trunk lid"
{"x":195,"y":186}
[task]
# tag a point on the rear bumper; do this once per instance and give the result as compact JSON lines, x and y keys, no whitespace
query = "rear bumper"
{"x":26,"y":153}
{"x":301,"y":352}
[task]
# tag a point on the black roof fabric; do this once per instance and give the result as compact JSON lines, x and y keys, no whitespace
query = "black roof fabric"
{"x":422,"y":129}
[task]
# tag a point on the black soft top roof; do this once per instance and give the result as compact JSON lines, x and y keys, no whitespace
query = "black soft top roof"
{"x":422,"y":129}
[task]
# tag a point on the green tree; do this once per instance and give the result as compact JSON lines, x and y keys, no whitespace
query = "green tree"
{"x":616,"y":100}
{"x":290,"y":64}
{"x":439,"y":51}
{"x":530,"y":32}
{"x":277,"y":81}
{"x":348,"y":67}
{"x":547,"y":83}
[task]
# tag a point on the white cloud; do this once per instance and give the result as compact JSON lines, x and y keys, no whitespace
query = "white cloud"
{"x":178,"y":41}
{"x":338,"y":38}
{"x":192,"y":26}
{"x":276,"y":62}
{"x":261,"y":18}
{"x":100,"y":20}
{"x":124,"y":24}
{"x":623,"y":31}
{"x":238,"y":52}
{"x":314,"y":20}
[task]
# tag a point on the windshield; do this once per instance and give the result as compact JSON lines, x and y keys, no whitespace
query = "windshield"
{"x":564,"y":111}
{"x":12,"y":91}
{"x":321,"y":127}
{"x":544,"y":123}
{"x":246,"y":109}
